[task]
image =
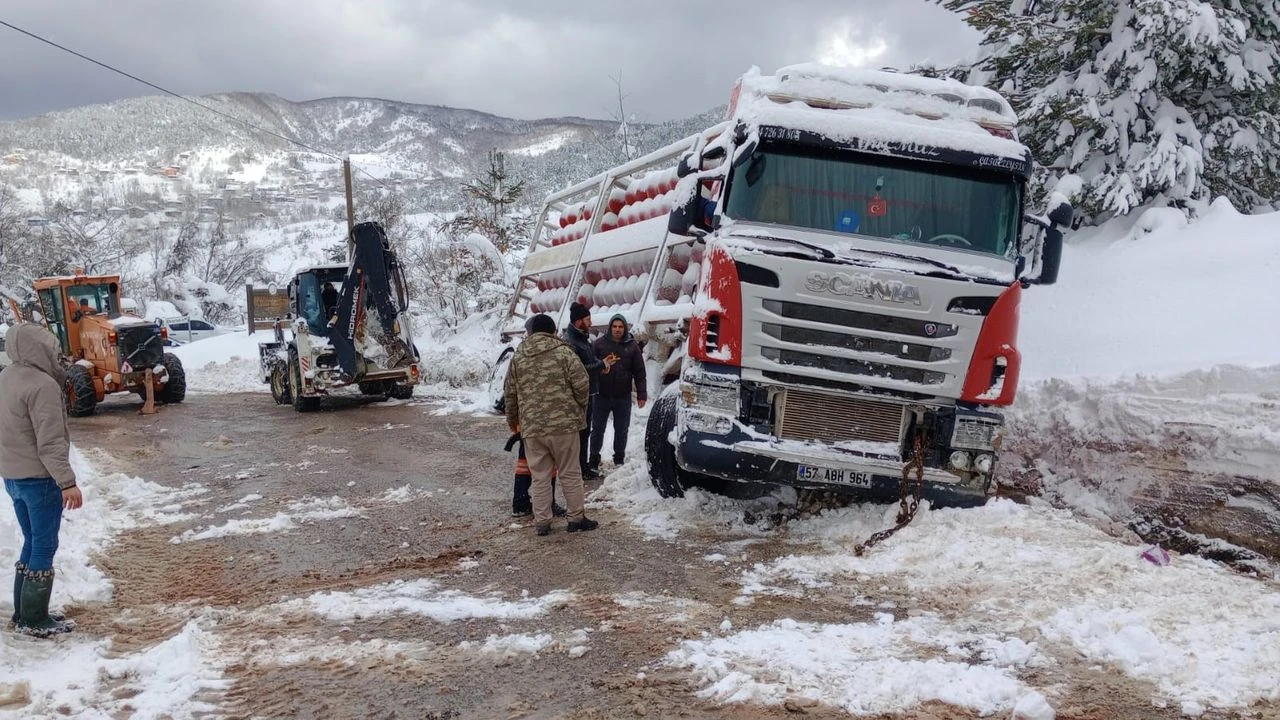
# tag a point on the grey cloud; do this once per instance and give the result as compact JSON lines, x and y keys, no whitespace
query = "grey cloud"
{"x":518,"y":58}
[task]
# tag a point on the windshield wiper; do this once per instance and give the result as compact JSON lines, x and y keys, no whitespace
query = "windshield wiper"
{"x":916,"y":258}
{"x":829,"y":255}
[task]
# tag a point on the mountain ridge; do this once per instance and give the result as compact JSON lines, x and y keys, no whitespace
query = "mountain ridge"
{"x":438,"y":145}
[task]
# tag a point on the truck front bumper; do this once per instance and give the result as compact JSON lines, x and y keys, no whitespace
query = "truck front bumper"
{"x":740,"y":457}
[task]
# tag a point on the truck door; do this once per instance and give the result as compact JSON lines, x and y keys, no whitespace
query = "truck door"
{"x":54,"y":318}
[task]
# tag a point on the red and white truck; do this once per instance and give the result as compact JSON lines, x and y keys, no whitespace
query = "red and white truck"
{"x":829,"y":281}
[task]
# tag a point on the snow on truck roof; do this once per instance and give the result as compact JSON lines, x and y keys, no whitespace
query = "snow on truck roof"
{"x":866,"y":107}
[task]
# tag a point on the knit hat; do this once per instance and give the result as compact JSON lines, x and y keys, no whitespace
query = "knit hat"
{"x":542,"y":323}
{"x":577,"y":311}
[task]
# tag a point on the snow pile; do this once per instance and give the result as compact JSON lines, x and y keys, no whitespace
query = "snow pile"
{"x":181,"y":677}
{"x":1078,"y":442}
{"x":166,"y":680}
{"x":1175,"y":299}
{"x":865,"y":668}
{"x":461,"y":360}
{"x":224,"y":364}
{"x":1202,"y":635}
{"x":426,"y":598}
{"x":302,"y":511}
{"x":113,"y":502}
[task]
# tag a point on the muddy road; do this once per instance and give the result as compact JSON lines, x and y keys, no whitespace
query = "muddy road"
{"x":371,"y":499}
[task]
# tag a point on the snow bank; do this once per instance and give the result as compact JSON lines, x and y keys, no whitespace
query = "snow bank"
{"x":1146,"y":296}
{"x":1202,"y":634}
{"x":113,"y":502}
{"x":224,"y":363}
{"x":992,"y":592}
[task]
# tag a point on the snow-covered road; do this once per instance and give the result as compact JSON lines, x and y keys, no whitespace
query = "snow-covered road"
{"x":258,"y":566}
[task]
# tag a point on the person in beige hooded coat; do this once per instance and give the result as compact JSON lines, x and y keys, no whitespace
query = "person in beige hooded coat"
{"x":35,"y":465}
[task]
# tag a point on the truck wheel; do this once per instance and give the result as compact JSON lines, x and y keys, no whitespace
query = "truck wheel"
{"x":373,"y":388}
{"x":175,"y":390}
{"x":280,"y":384}
{"x":400,"y":392}
{"x":663,"y":471}
{"x":301,"y":403}
{"x":82,"y":399}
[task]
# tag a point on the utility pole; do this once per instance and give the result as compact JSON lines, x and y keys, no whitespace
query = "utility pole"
{"x":351,"y":207}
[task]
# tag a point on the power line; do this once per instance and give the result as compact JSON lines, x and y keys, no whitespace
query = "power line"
{"x":184,"y":98}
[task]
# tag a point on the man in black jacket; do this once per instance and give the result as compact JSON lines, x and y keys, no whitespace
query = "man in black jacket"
{"x":624,"y":367}
{"x":576,"y":335}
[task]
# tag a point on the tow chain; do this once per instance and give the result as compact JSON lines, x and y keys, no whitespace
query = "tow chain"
{"x":909,"y":497}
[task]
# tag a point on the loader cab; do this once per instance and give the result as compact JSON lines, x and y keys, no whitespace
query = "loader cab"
{"x":308,"y":295}
{"x":67,"y":302}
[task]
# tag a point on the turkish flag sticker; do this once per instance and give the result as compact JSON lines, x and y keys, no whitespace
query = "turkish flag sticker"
{"x":877,"y":207}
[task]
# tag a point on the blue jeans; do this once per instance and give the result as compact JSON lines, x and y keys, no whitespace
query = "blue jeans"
{"x":38,"y":502}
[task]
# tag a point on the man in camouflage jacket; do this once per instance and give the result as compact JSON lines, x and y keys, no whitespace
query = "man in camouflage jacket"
{"x":547,"y":390}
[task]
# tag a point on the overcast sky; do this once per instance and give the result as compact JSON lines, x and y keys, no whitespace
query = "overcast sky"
{"x":518,"y":58}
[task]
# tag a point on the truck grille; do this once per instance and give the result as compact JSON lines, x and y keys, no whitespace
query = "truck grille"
{"x":837,"y":418}
{"x":140,"y":346}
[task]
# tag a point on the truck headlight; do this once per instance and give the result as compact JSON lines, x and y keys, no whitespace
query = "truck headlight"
{"x":975,"y":432}
{"x":983,"y":463}
{"x":707,"y":423}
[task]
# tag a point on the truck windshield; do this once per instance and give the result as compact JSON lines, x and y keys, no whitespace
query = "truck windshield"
{"x":97,"y":298}
{"x":908,"y":201}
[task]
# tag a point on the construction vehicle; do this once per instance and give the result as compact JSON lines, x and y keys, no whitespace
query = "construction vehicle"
{"x":348,"y":327}
{"x":827,"y":283}
{"x":106,"y":351}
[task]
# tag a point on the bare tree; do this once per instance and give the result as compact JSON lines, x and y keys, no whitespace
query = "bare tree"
{"x":624,"y":144}
{"x":12,"y":234}
{"x":86,"y":237}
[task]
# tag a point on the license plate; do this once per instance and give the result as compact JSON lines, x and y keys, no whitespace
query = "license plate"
{"x":835,"y":476}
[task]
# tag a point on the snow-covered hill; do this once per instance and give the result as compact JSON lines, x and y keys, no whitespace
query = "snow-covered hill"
{"x":430,"y":147}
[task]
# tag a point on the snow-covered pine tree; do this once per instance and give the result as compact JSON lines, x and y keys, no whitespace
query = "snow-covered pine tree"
{"x":1136,"y":102}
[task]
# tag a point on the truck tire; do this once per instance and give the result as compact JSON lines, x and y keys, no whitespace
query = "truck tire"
{"x":82,"y":399}
{"x":374,"y":388}
{"x":279,"y":380}
{"x":665,"y":475}
{"x":498,"y":380}
{"x":396,"y":391}
{"x":175,"y":390}
{"x":301,"y":403}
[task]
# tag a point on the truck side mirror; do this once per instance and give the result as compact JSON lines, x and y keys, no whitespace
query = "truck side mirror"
{"x":688,"y":219}
{"x":685,"y":167}
{"x":1061,"y":215}
{"x":1051,"y":254}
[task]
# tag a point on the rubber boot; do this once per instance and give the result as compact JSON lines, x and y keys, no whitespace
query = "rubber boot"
{"x":19,"y":572}
{"x":19,"y":575}
{"x":34,"y":619}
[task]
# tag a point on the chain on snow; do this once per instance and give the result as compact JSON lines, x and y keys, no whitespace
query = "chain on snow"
{"x":909,"y":497}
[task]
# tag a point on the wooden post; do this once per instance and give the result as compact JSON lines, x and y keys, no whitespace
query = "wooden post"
{"x":351,"y":207}
{"x":149,"y":402}
{"x":248,"y":291}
